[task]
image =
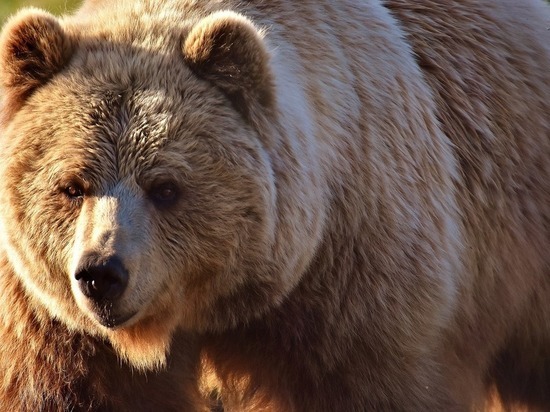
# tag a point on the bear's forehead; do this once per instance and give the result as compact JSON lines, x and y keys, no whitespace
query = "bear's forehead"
{"x":116,"y":124}
{"x":137,"y":129}
{"x":128,"y":128}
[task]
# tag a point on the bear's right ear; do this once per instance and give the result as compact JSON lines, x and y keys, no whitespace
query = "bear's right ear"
{"x":33,"y":47}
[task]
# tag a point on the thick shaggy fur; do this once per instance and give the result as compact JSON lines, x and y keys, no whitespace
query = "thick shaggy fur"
{"x":343,"y":205}
{"x":47,"y":367}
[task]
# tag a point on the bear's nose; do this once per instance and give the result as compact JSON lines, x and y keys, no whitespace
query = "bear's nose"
{"x":103,"y":282}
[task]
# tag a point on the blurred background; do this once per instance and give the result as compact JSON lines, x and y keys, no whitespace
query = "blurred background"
{"x":8,"y":7}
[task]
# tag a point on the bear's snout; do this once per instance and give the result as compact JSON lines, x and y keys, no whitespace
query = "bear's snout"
{"x":103,"y":282}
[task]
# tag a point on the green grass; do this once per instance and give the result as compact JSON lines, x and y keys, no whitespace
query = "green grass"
{"x":8,"y":7}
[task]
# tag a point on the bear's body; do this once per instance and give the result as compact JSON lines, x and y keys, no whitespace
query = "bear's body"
{"x":345,"y":205}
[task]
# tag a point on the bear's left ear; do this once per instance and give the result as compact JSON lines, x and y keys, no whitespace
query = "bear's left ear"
{"x":228,"y":50}
{"x":33,"y":47}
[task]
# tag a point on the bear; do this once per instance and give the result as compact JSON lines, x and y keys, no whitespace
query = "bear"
{"x":277,"y":206}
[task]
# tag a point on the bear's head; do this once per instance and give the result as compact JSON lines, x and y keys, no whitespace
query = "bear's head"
{"x":138,"y":178}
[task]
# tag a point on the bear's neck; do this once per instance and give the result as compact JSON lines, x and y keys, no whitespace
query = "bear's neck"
{"x":45,"y":366}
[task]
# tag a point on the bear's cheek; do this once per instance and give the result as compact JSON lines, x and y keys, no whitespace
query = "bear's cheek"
{"x":42,"y":234}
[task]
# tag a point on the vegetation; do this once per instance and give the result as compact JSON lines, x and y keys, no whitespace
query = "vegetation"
{"x":8,"y":7}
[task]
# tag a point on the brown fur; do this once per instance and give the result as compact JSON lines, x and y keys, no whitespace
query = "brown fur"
{"x":498,"y":121}
{"x":359,"y":200}
{"x":47,"y":367}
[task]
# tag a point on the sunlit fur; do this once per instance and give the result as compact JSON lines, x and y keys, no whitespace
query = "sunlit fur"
{"x":362,"y":219}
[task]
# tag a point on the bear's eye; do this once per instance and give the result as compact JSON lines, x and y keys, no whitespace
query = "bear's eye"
{"x":74,"y":191}
{"x":164,"y":194}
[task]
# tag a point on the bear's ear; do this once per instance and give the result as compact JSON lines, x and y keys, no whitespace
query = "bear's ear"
{"x":228,"y":50}
{"x":33,"y":47}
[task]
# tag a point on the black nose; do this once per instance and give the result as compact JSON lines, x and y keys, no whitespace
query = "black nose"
{"x":103,"y":282}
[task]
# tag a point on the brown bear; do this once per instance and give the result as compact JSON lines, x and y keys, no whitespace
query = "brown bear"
{"x":342,"y":205}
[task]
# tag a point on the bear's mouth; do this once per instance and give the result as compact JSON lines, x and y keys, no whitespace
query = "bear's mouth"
{"x":107,"y":316}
